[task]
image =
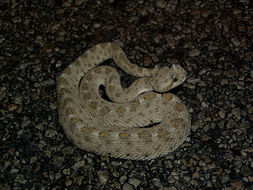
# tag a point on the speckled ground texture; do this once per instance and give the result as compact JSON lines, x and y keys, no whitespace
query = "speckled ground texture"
{"x":211,"y":40}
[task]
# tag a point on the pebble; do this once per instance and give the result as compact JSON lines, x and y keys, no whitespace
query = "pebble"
{"x":194,"y":52}
{"x":235,"y":42}
{"x":68,"y":150}
{"x":237,"y":185}
{"x":12,"y":107}
{"x":168,"y":188}
{"x":224,"y":82}
{"x":204,"y":105}
{"x":246,"y":171}
{"x":157,"y":182}
{"x":196,"y":175}
{"x":222,"y":114}
{"x":225,"y":178}
{"x":171,"y":179}
{"x":79,"y":2}
{"x":103,"y":177}
{"x":127,"y":186}
{"x":97,"y":25}
{"x":2,"y":94}
{"x":135,"y":182}
{"x":26,"y":123}
{"x":48,"y":82}
{"x":123,"y":178}
{"x":51,"y":133}
{"x":78,"y":165}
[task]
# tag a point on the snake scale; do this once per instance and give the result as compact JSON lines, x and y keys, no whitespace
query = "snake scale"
{"x":120,"y":126}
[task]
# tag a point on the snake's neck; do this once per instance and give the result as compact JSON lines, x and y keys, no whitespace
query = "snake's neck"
{"x":138,"y":87}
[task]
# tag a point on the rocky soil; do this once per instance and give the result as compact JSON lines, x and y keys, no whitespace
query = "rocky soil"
{"x":211,"y":40}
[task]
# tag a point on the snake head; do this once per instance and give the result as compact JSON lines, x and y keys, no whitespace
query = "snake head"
{"x":166,"y":78}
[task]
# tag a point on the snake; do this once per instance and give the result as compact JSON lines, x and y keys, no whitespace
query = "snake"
{"x":143,"y":121}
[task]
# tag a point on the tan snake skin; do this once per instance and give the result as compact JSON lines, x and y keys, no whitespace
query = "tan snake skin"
{"x":120,"y":127}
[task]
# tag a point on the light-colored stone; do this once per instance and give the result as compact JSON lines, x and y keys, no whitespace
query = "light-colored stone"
{"x":194,"y":52}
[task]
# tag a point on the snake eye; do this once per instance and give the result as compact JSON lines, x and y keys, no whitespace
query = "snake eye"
{"x":175,"y":79}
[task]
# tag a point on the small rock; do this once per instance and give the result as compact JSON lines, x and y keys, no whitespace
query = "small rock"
{"x":206,"y":158}
{"x":53,"y":105}
{"x":230,"y":73}
{"x":187,"y":178}
{"x":236,"y":113}
{"x":251,"y":117}
{"x":2,"y":94}
{"x":21,"y":179}
{"x":79,"y":2}
{"x":115,"y":185}
{"x":97,"y":25}
{"x":194,"y":52}
{"x":205,"y":137}
{"x":224,"y":82}
{"x":33,"y":160}
{"x":13,"y":171}
{"x":158,"y":38}
{"x":168,"y":188}
{"x":68,"y":150}
{"x":47,"y":47}
{"x":222,"y":114}
{"x":202,"y":163}
{"x":79,"y":164}
{"x":235,"y":42}
{"x":147,"y":61}
{"x":48,"y":82}
{"x":60,"y":11}
{"x":66,"y":171}
{"x":161,"y":4}
{"x":5,"y":186}
{"x":250,"y":179}
{"x":204,"y":105}
{"x":193,"y":80}
{"x":58,"y":175}
{"x":196,"y":125}
{"x":12,"y":107}
{"x":103,"y":177}
{"x":246,"y":171}
{"x":195,"y":175}
{"x":26,"y":123}
{"x":190,"y":86}
{"x":68,"y":183}
{"x":134,"y":182}
{"x":205,"y":13}
{"x":50,"y":133}
{"x":237,"y":185}
{"x":127,"y":186}
{"x":48,"y":153}
{"x":157,"y":182}
{"x":171,"y":179}
{"x":203,"y":71}
{"x":123,"y":178}
{"x":225,"y":178}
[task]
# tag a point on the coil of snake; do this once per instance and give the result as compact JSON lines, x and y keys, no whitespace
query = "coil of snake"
{"x":121,"y":127}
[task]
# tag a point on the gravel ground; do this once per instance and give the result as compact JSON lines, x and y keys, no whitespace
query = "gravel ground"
{"x":211,"y":40}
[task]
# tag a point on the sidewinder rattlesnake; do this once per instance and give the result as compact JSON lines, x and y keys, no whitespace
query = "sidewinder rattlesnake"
{"x":121,"y":127}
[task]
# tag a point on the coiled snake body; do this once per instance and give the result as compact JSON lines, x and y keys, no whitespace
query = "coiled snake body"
{"x":118,"y":127}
